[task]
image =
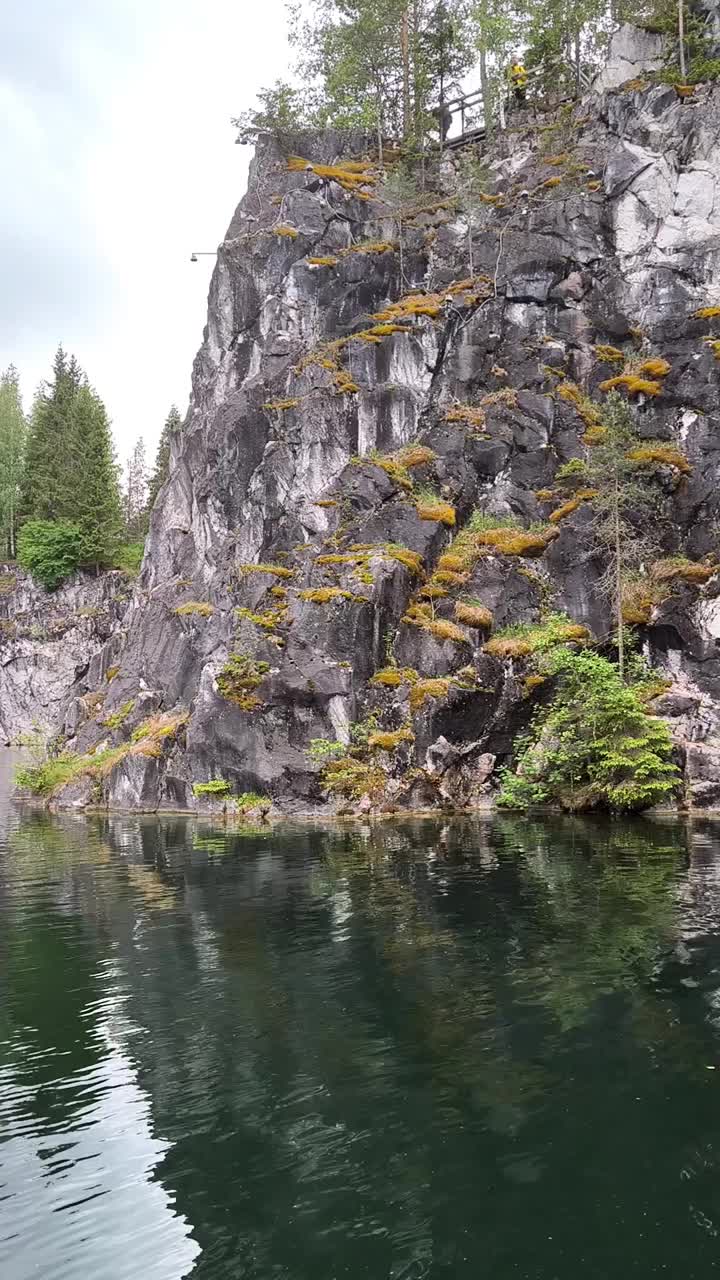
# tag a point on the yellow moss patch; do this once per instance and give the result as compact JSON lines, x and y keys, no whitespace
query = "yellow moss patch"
{"x":325,"y":502}
{"x":508,"y":647}
{"x":449,"y":578}
{"x":594,"y":185}
{"x":545,"y":495}
{"x":323,"y":595}
{"x":634,"y":385}
{"x":714,"y":344}
{"x":506,"y":396}
{"x":322,"y":262}
{"x":571,"y":393}
{"x":371,"y":246}
{"x":611,"y":355}
{"x":468,"y":415}
{"x":663,"y":454}
{"x":594,"y":435}
{"x":424,"y":689}
{"x":679,"y":567}
{"x":432,"y":591}
{"x":655,"y":367}
{"x":567,"y":508}
{"x":440,"y":511}
{"x":707,"y":313}
{"x":557,"y":160}
{"x":354,"y":557}
{"x":453,"y":562}
{"x":195,"y":608}
{"x":268,"y":620}
{"x":386,"y":741}
{"x":473,"y":615}
{"x":551,"y":182}
{"x":531,"y":683}
{"x":351,"y":175}
{"x":639,"y":597}
{"x":517,"y":542}
{"x":280,"y":593}
{"x":415,"y":455}
{"x":412,"y":560}
{"x":291,"y":233}
{"x":685,"y":90}
{"x":275,"y":570}
{"x":111,"y":673}
{"x":393,"y":677}
{"x":279,"y":406}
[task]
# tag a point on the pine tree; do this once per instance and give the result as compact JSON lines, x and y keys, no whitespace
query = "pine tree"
{"x":173,"y":423}
{"x":13,"y":432}
{"x":48,"y":481}
{"x":96,"y":498}
{"x":135,"y":497}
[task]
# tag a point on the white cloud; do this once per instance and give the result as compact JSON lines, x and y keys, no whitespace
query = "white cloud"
{"x":120,"y":160}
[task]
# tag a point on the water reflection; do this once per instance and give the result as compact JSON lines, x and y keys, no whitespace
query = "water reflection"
{"x":419,"y":1049}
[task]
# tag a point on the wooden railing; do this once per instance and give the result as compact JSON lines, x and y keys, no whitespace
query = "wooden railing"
{"x":467,"y":105}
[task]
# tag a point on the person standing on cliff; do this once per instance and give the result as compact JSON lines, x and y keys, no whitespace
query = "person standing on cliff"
{"x":518,"y":77}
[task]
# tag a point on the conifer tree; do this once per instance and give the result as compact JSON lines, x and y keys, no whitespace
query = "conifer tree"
{"x":135,"y":496}
{"x":13,"y":431}
{"x":96,"y":497}
{"x":173,"y":423}
{"x":48,"y":482}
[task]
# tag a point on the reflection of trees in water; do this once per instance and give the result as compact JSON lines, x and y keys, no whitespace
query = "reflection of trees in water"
{"x":317,"y":1009}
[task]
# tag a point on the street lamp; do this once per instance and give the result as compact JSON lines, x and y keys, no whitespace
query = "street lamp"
{"x":204,"y":254}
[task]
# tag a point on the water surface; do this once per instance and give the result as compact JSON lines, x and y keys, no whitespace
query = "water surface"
{"x":472,"y":1049}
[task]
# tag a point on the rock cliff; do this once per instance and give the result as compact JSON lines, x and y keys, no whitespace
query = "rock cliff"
{"x":295,"y":551}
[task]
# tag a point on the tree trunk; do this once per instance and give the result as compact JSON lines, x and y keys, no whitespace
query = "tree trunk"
{"x":681,"y":37}
{"x":618,"y":583}
{"x":379,"y":131}
{"x":405,"y":53}
{"x":485,"y":89}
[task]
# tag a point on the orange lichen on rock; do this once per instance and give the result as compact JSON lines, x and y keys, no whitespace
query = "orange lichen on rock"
{"x":707,"y":313}
{"x":290,"y":233}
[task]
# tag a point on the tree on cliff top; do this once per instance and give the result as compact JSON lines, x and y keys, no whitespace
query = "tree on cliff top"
{"x":69,"y":472}
{"x":173,"y":423}
{"x":13,"y":433}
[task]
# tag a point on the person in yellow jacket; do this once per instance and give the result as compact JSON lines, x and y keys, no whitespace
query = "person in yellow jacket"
{"x":518,"y":78}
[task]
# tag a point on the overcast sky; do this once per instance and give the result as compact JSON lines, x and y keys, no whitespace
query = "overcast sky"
{"x":117,"y":160}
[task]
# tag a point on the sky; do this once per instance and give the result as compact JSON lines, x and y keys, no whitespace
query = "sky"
{"x":118,"y":160}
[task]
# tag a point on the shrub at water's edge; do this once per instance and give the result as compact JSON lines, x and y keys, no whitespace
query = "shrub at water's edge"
{"x":594,"y":746}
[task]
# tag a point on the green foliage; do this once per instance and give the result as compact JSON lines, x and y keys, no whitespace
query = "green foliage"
{"x":128,"y":557}
{"x":119,"y":717}
{"x":70,"y":474}
{"x":251,"y":800}
{"x":572,"y":475}
{"x":323,"y":749}
{"x":43,"y":778}
{"x":50,"y":550}
{"x":239,"y":677}
{"x":595,"y":746}
{"x":216,"y":787}
{"x":13,"y":434}
{"x":173,"y":424}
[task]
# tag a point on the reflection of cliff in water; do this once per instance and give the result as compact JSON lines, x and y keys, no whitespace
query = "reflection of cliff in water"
{"x":325,"y":1015}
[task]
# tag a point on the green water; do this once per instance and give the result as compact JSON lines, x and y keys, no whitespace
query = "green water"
{"x":473,"y":1049}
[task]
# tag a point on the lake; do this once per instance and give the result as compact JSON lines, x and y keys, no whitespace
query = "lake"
{"x":476,"y":1048}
